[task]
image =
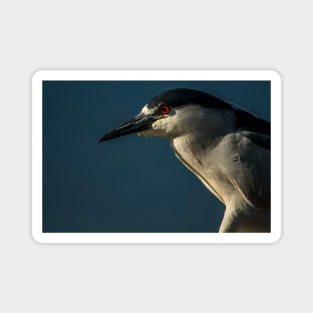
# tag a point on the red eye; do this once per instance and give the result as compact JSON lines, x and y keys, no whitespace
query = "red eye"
{"x":164,"y":109}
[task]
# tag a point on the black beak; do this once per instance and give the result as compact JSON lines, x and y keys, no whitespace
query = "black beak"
{"x":138,"y":123}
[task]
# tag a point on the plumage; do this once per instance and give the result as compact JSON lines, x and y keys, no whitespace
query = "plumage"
{"x":228,"y":149}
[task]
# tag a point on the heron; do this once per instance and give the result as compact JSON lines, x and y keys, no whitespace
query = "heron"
{"x":225,"y":146}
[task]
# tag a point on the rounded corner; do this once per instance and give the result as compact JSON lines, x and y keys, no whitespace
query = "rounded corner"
{"x":276,"y":237}
{"x":37,"y":75}
{"x":276,"y":75}
{"x":36,"y":237}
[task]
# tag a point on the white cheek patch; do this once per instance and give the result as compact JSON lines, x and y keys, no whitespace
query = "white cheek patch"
{"x":160,"y":128}
{"x":155,"y":125}
{"x":155,"y":131}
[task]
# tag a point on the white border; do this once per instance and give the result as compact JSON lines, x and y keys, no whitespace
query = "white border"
{"x":110,"y":75}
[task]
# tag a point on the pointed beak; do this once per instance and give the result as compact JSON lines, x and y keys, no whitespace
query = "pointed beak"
{"x":137,"y":124}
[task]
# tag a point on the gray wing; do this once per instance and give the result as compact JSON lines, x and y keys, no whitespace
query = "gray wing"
{"x":252,"y":170}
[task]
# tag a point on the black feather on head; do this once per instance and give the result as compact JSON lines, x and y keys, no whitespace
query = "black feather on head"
{"x":181,"y":96}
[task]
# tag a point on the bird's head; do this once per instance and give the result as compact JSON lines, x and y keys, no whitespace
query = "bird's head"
{"x":172,"y":114}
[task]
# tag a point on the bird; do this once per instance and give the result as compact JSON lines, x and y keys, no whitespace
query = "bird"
{"x":225,"y":146}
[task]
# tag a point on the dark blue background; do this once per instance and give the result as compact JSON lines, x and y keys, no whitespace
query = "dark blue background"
{"x":130,"y":184}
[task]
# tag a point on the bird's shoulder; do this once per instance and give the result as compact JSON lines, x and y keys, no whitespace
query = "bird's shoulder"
{"x":253,"y":128}
{"x":244,"y":157}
